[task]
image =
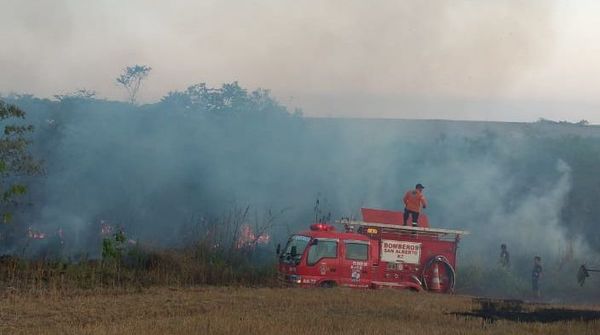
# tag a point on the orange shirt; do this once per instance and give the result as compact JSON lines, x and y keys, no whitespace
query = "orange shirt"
{"x":413,"y":201}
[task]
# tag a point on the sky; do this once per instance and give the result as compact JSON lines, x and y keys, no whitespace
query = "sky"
{"x":429,"y":59}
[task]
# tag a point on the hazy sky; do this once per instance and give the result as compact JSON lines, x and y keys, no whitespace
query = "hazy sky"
{"x":462,"y":59}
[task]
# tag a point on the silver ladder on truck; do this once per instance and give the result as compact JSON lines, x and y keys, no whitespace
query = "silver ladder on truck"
{"x":354,"y":225}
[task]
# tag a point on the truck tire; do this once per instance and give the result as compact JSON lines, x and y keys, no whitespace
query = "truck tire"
{"x":328,"y":284}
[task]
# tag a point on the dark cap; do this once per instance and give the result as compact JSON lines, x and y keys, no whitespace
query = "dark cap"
{"x":420,"y":186}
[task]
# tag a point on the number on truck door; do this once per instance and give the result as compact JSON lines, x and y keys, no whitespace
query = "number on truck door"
{"x":355,"y":264}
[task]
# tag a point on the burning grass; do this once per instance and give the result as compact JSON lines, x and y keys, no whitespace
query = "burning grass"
{"x":140,"y":268}
{"x":226,"y":251}
{"x":234,"y":310}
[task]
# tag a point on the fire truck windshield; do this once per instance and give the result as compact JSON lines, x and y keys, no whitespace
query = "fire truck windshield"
{"x":298,"y":241}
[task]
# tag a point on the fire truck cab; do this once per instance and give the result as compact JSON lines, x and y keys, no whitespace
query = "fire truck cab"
{"x":376,"y":252}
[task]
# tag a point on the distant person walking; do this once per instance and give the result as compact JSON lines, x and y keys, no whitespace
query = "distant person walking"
{"x":504,"y":256}
{"x":536,"y":274}
{"x":414,"y":201}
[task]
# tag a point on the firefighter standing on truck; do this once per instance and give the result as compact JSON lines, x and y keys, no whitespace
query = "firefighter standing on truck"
{"x":414,"y":201}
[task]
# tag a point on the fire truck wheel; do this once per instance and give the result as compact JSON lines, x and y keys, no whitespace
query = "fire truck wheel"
{"x":328,"y":284}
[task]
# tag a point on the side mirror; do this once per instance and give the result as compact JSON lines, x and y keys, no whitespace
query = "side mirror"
{"x":278,"y":250}
{"x":294,"y":252}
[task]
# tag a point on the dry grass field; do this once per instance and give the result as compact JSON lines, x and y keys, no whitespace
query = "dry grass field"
{"x":229,"y":310}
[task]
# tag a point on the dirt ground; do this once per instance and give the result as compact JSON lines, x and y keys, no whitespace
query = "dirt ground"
{"x":231,"y":310}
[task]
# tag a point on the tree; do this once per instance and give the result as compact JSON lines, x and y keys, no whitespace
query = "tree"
{"x":131,"y":79}
{"x":229,"y":98}
{"x":15,"y":160}
{"x":81,"y":94}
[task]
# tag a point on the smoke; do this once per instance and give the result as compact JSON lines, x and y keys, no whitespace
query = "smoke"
{"x":157,"y":169}
{"x":345,"y":58}
{"x":530,"y":223}
{"x":535,"y":222}
{"x":501,"y":187}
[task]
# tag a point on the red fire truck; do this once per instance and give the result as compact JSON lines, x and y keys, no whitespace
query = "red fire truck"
{"x":376,"y":252}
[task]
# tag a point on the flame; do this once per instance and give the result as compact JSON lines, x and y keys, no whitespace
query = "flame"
{"x":105,"y":229}
{"x":249,"y":239}
{"x":35,"y":234}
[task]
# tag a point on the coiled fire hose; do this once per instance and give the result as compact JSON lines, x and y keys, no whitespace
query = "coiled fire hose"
{"x":450,"y":271}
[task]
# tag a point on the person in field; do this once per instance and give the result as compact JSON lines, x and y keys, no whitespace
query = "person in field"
{"x":536,"y":274}
{"x":414,"y":202}
{"x":504,"y":256}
